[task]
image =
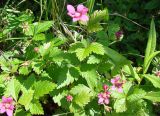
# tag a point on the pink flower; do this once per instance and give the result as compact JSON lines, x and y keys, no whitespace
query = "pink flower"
{"x":69,"y":98}
{"x":105,"y":87}
{"x":117,"y":84}
{"x":119,"y":34}
{"x":104,"y":98}
{"x":80,"y":14}
{"x":7,"y":105}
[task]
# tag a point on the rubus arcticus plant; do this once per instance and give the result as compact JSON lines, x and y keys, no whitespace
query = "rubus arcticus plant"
{"x":74,"y":71}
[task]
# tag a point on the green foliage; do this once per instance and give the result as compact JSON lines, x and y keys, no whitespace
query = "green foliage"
{"x":96,"y":18}
{"x":51,"y":67}
{"x":153,"y":79}
{"x":43,"y":87}
{"x":36,"y":108}
{"x":94,"y":47}
{"x":13,"y":89}
{"x":151,"y":45}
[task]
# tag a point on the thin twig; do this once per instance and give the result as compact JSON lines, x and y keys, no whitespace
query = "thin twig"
{"x":116,"y":14}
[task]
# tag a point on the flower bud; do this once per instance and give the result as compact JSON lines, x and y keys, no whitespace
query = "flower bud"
{"x":69,"y":98}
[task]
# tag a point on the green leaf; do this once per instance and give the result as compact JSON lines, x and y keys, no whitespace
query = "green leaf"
{"x":131,"y":71}
{"x":93,"y":60}
{"x":120,"y":105}
{"x":153,"y":79}
{"x":37,"y":67}
{"x":69,"y":79}
{"x":13,"y":89}
{"x":42,"y":26}
{"x":149,"y":59}
{"x":36,"y":108}
{"x":82,"y":94}
{"x":152,"y":4}
{"x":136,"y":95}
{"x":117,"y":58}
{"x":26,"y":98}
{"x":95,"y":18}
{"x":90,"y":5}
{"x":24,"y":70}
{"x":82,"y":98}
{"x":21,"y":112}
{"x":153,"y":96}
{"x":43,"y":87}
{"x":94,"y":47}
{"x":151,"y":45}
{"x":126,"y":87}
{"x":91,"y":77}
{"x":39,"y":37}
{"x":79,"y":88}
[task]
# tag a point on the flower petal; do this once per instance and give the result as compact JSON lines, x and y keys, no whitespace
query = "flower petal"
{"x":100,"y":101}
{"x":71,"y":9}
{"x":80,"y":8}
{"x":9,"y":112}
{"x":120,"y":90}
{"x":2,"y":109}
{"x":106,"y":101}
{"x":76,"y":19}
{"x":84,"y":18}
{"x":113,"y":88}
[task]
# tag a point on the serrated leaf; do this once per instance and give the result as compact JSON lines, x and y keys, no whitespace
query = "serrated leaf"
{"x":29,"y":82}
{"x":91,"y":77}
{"x":13,"y":89}
{"x":69,"y":79}
{"x":97,"y":48}
{"x":95,"y":18}
{"x":24,"y":70}
{"x":42,"y":26}
{"x":36,"y":108}
{"x":82,"y":98}
{"x":37,"y":67}
{"x":153,"y":79}
{"x":153,"y":96}
{"x":120,"y":105}
{"x":94,"y":47}
{"x":136,"y":95}
{"x":126,"y":87}
{"x":75,"y":46}
{"x":26,"y":98}
{"x":116,"y":94}
{"x":43,"y":87}
{"x":21,"y":112}
{"x":39,"y":37}
{"x":79,"y":88}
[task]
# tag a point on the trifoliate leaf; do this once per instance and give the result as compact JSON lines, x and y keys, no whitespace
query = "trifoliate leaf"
{"x":94,"y":47}
{"x":43,"y":87}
